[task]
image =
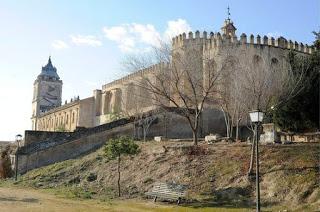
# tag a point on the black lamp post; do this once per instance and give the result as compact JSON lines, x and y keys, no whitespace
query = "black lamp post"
{"x":18,"y":140}
{"x":256,"y":117}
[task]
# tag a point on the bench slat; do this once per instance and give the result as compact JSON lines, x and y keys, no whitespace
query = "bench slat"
{"x":167,"y":191}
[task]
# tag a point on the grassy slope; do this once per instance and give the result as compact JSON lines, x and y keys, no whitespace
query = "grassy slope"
{"x":216,"y":174}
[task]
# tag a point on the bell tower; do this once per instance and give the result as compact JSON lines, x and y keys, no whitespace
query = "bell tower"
{"x":47,"y":92}
{"x":228,"y":27}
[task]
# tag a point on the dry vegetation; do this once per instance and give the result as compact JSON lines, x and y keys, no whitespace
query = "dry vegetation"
{"x":216,"y":174}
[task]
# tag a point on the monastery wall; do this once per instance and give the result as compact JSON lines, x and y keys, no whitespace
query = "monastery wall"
{"x":64,"y":117}
{"x":78,"y":113}
{"x":127,"y":96}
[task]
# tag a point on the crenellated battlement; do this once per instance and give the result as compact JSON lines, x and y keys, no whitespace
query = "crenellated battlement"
{"x":183,"y":39}
{"x":215,"y":40}
{"x":138,"y":74}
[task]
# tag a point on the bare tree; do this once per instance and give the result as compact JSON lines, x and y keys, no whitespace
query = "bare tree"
{"x":257,"y":82}
{"x":183,"y":79}
{"x":265,"y":83}
{"x":145,"y":123}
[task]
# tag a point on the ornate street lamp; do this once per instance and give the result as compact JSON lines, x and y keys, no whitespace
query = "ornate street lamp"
{"x":256,"y":117}
{"x":18,"y":140}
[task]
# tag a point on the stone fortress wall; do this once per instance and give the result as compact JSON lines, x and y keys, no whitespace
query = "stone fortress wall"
{"x":124,"y":97}
{"x":115,"y":96}
{"x":119,"y":96}
{"x":215,"y":40}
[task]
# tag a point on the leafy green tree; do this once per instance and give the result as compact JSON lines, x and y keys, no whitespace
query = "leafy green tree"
{"x":301,"y":113}
{"x":115,"y":148}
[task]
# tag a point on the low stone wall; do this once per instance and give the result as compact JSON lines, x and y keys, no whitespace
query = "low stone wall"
{"x":33,"y":158}
{"x":44,"y":148}
{"x":31,"y":136}
{"x":299,"y":137}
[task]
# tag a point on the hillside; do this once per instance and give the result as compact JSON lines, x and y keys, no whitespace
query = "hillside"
{"x":3,"y":144}
{"x":216,"y":174}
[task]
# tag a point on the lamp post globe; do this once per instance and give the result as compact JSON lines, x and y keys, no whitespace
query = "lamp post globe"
{"x":256,"y":117}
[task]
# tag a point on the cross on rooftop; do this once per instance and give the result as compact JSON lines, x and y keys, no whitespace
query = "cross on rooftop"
{"x":228,"y":12}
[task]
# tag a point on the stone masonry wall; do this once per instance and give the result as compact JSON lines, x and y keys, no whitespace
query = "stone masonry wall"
{"x":60,"y":149}
{"x":44,"y":148}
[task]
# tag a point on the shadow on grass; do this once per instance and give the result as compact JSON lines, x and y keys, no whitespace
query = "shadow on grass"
{"x":296,"y":170}
{"x":14,"y":199}
{"x":232,"y":197}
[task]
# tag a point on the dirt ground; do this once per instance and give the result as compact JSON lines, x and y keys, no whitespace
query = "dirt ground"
{"x":14,"y":199}
{"x":27,"y":200}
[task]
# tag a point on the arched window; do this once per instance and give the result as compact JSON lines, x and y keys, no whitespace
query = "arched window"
{"x":72,"y":117}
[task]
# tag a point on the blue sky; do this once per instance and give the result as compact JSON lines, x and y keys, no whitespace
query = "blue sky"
{"x":88,"y":39}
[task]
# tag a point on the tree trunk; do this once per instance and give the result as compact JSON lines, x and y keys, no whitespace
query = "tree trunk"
{"x":138,"y":132}
{"x":228,"y":126}
{"x":195,"y":129}
{"x":227,"y":122}
{"x":252,"y":154}
{"x":119,"y":194}
{"x":231,"y":129}
{"x":195,"y":137}
{"x":237,"y":130}
{"x":144,"y":133}
{"x":165,"y":126}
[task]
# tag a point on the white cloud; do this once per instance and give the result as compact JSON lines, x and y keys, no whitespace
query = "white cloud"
{"x":121,"y":35}
{"x":59,"y":44}
{"x":176,"y":27}
{"x":115,"y":33}
{"x":146,"y":33}
{"x":139,"y":37}
{"x":86,"y":40}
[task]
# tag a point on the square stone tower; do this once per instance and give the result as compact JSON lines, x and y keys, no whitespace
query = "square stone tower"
{"x":47,"y":92}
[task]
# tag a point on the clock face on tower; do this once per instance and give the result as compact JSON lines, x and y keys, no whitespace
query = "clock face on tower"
{"x":51,"y":94}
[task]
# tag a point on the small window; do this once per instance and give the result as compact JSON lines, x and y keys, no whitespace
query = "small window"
{"x":257,"y":59}
{"x":274,"y":61}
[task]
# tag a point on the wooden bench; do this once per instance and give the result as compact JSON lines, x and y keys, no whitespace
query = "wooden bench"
{"x":168,"y":191}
